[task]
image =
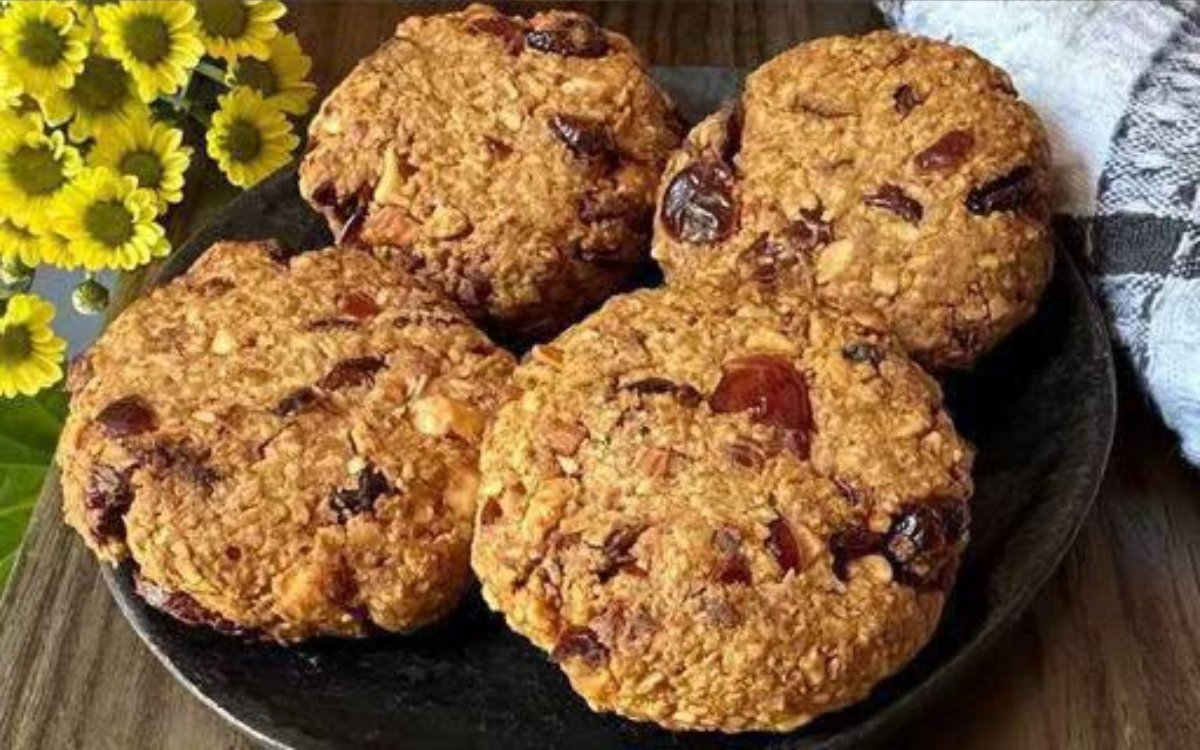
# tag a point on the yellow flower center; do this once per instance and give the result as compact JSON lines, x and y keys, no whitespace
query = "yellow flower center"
{"x":242,"y":141}
{"x":35,"y":170}
{"x":15,"y":345}
{"x":109,"y":222}
{"x":41,"y":44}
{"x":222,"y":18}
{"x":144,"y":166}
{"x":256,"y":74}
{"x":148,"y":38}
{"x":101,"y":86}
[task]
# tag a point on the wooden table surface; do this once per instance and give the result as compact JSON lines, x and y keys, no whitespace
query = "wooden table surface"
{"x":1108,"y":657}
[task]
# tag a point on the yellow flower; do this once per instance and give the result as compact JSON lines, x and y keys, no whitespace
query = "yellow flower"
{"x":102,"y":93}
{"x":280,"y":78}
{"x":10,"y":93}
{"x":41,"y":46}
{"x":237,"y":28}
{"x":32,"y":249}
{"x":35,"y":167}
{"x":249,"y":139}
{"x":157,"y":41}
{"x":30,"y":354}
{"x":149,"y":151}
{"x":108,"y":221}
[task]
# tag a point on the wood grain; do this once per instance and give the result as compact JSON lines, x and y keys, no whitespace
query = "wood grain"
{"x":1109,"y":657}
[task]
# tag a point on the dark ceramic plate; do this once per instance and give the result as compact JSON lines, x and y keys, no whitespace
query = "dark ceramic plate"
{"x":1040,"y":410}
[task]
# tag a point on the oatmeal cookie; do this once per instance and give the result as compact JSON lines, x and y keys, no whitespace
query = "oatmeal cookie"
{"x":511,"y":161}
{"x":885,"y":171}
{"x":284,"y":446}
{"x":717,"y":513}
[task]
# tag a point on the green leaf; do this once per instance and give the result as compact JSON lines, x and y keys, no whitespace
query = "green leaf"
{"x":29,"y":428}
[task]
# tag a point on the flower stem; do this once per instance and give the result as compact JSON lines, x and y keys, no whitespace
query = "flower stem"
{"x":211,"y":72}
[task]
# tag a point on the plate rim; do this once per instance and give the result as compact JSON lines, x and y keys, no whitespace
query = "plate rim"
{"x":907,"y":706}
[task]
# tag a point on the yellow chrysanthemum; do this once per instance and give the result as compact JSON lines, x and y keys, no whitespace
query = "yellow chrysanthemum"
{"x":35,"y":167}
{"x":10,"y":93}
{"x":30,"y":354}
{"x":103,"y":93}
{"x":41,"y":46}
{"x":157,"y":41}
{"x":151,"y":152}
{"x":237,"y":28}
{"x":108,"y":221}
{"x":249,"y":139}
{"x":30,"y":248}
{"x":280,"y":77}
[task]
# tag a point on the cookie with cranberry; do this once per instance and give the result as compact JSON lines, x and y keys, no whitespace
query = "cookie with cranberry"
{"x":718,"y":513}
{"x":513,"y":162}
{"x":284,"y":446}
{"x":886,"y":171}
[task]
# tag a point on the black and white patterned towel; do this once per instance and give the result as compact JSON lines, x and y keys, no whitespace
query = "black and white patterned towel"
{"x":1118,"y":86}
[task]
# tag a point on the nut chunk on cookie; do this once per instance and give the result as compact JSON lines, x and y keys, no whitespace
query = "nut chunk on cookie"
{"x":511,"y":161}
{"x":284,"y":446}
{"x":717,"y":514}
{"x":886,"y":172}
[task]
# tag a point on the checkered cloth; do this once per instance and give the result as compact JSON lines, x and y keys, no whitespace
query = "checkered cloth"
{"x":1118,"y":86}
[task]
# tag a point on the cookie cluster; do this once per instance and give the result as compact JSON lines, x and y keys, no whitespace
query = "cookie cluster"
{"x":735,"y":502}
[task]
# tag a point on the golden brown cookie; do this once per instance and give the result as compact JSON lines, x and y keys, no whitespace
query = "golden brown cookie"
{"x":285,"y":446}
{"x":511,"y":161}
{"x":885,"y":171}
{"x":717,"y":513}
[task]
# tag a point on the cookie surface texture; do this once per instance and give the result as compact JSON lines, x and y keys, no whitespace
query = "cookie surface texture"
{"x":513,"y":162}
{"x":720,"y":514}
{"x":284,"y":446}
{"x":886,"y":171}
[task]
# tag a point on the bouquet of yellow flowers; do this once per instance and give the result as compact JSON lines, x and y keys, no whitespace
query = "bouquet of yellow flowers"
{"x":98,"y":102}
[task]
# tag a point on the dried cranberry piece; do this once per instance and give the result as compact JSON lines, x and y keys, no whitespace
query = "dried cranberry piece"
{"x":684,"y":393}
{"x":699,"y":205}
{"x":1006,"y":193}
{"x":850,"y":544}
{"x":781,"y":543}
{"x":923,"y":541}
{"x":569,"y":36}
{"x":587,"y":138}
{"x":770,"y":388}
{"x":810,"y":231}
{"x":351,"y":372}
{"x":186,"y":459}
{"x":358,"y":305}
{"x":905,"y":99}
{"x":127,"y":416}
{"x":946,"y":152}
{"x":183,"y":607}
{"x":733,"y":569}
{"x":107,"y":498}
{"x":353,"y":501}
{"x":583,"y":644}
{"x":617,"y":555}
{"x":892,"y":198}
{"x":510,"y":31}
{"x":863,"y":352}
{"x":490,"y":513}
{"x":296,"y":401}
